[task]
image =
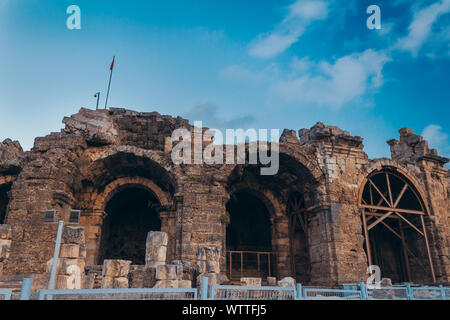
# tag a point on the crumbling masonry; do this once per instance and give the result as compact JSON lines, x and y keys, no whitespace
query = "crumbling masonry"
{"x":326,"y":215}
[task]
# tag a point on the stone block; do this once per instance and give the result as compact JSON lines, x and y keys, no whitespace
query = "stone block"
{"x":154,"y":264}
{"x":5,"y":242}
{"x":208,"y":266}
{"x":5,"y":231}
{"x":107,"y":282}
{"x":3,"y":252}
{"x":386,"y":282}
{"x":251,"y":282}
{"x":67,"y":282}
{"x":73,"y":235}
{"x":48,"y":267}
{"x":271,"y":281}
{"x":188,"y":269}
{"x":169,"y":272}
{"x":157,"y":239}
{"x":287,"y":282}
{"x":116,"y":268}
{"x":142,"y":278}
{"x":212,"y":266}
{"x":61,"y":282}
{"x":184,"y":284}
{"x":156,"y":254}
{"x":83,"y":252}
{"x":120,"y":283}
{"x":208,"y":253}
{"x":65,"y":263}
{"x":166,"y":284}
{"x":69,"y":251}
{"x":88,"y":281}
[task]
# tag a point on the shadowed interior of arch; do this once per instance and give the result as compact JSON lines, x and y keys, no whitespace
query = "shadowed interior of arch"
{"x":4,"y":199}
{"x":248,"y":233}
{"x":396,"y":244}
{"x":131,"y":214}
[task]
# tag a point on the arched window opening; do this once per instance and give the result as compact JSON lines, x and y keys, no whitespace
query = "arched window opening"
{"x":393,"y":216}
{"x":248,"y":237}
{"x":131,"y":214}
{"x":298,"y":235}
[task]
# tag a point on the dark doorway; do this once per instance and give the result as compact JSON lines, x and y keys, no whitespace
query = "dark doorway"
{"x":298,"y":236}
{"x":249,"y":237}
{"x":131,"y":214}
{"x":393,"y":217}
{"x":4,"y":200}
{"x":249,"y":227}
{"x":388,"y":254}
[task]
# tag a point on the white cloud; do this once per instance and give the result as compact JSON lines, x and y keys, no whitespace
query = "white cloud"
{"x":436,"y":138}
{"x":300,"y":14}
{"x":347,"y":79}
{"x":243,"y":75}
{"x":420,"y":27}
{"x":301,"y":65}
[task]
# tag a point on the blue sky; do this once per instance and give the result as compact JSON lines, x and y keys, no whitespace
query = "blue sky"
{"x":250,"y":64}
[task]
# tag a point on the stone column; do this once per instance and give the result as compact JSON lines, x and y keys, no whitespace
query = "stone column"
{"x":115,"y":273}
{"x":71,"y":261}
{"x":171,"y":276}
{"x":156,"y":249}
{"x":281,"y":246}
{"x":92,"y":220}
{"x":5,"y":244}
{"x":168,"y":225}
{"x":208,"y":265}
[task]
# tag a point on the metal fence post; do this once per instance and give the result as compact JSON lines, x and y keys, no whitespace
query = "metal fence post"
{"x":443,"y":294}
{"x":362,"y":288}
{"x":299,"y":288}
{"x":204,"y":293}
{"x":409,"y":292}
{"x":51,"y":284}
{"x":25,"y":291}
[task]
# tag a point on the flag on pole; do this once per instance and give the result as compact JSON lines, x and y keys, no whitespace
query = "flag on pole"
{"x":109,"y":84}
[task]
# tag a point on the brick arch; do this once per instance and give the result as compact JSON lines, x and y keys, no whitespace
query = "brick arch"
{"x":149,"y":160}
{"x":305,"y":156}
{"x":400,"y":266}
{"x":266,"y":197}
{"x":117,"y":185}
{"x":403,"y":170}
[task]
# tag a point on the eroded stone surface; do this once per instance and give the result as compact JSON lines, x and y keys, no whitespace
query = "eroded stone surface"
{"x":251,"y":282}
{"x":101,"y":152}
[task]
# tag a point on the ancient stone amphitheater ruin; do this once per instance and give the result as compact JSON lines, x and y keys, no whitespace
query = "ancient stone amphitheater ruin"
{"x":328,"y":213}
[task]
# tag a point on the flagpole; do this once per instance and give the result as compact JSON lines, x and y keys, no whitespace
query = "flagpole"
{"x":97,"y":95}
{"x":109,"y":85}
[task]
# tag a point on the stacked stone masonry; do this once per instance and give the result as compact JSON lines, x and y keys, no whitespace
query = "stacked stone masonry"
{"x":100,"y":154}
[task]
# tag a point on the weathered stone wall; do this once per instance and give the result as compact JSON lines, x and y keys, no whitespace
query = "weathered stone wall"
{"x":433,"y":181}
{"x":44,"y":182}
{"x":100,"y":153}
{"x":337,"y":234}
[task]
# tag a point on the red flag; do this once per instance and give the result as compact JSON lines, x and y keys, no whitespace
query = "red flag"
{"x":112,"y":64}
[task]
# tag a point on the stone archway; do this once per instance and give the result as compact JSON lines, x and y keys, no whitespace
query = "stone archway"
{"x":109,"y":176}
{"x":274,"y":191}
{"x":249,"y":245}
{"x":4,"y":200}
{"x":393,"y":212}
{"x":130,"y":214}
